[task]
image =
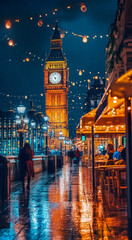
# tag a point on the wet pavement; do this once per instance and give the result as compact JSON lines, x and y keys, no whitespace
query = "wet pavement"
{"x":61,"y":207}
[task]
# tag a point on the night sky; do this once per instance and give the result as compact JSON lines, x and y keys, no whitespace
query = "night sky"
{"x":19,"y":78}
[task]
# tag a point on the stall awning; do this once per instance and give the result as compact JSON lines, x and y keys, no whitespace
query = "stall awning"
{"x":122,"y":87}
{"x":102,"y":106}
{"x":114,"y":113}
{"x":111,"y":122}
{"x":88,"y":119}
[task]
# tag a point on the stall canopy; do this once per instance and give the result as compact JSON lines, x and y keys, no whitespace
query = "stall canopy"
{"x":86,"y":122}
{"x":111,"y":121}
{"x":122,"y":87}
{"x":114,"y":113}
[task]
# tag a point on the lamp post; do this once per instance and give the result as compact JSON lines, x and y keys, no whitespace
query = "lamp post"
{"x":60,"y":134}
{"x":21,"y":122}
{"x":33,"y":125}
{"x":65,"y":143}
{"x":45,"y":127}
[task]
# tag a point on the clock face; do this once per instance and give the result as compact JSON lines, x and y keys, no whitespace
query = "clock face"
{"x":55,"y":77}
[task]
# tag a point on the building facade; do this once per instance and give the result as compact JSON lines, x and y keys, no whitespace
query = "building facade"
{"x":119,"y":48}
{"x":94,"y":94}
{"x":56,"y":77}
{"x":33,"y":131}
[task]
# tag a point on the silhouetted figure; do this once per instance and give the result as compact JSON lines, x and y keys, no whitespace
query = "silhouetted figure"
{"x":110,"y":151}
{"x":26,"y":164}
{"x":123,"y":154}
{"x":77,"y":155}
{"x":71,"y":155}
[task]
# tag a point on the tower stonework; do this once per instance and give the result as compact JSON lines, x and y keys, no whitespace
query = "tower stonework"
{"x":56,"y":78}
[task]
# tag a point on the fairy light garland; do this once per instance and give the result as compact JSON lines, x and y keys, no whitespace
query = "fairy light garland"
{"x":40,"y":22}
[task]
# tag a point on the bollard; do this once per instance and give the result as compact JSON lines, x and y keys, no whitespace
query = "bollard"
{"x":44,"y":163}
{"x":51,"y":166}
{"x":4,"y":178}
{"x":59,"y":161}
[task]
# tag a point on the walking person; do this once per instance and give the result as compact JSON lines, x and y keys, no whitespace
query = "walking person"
{"x":26,"y":165}
{"x":77,"y":155}
{"x":71,"y":155}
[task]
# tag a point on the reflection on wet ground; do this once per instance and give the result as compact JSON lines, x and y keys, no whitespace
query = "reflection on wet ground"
{"x":61,"y":207}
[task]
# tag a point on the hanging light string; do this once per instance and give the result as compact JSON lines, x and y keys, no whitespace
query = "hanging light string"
{"x":40,"y":22}
{"x":82,"y":5}
{"x":85,"y":38}
{"x":81,"y":71}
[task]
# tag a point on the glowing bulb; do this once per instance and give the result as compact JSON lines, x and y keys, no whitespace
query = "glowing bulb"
{"x":11,"y":43}
{"x":40,"y":23}
{"x":62,"y":35}
{"x":27,"y":59}
{"x":8,"y":24}
{"x":85,"y":39}
{"x":80,"y":72}
{"x":83,"y":7}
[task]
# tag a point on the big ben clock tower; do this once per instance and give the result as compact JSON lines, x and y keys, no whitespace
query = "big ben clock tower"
{"x":56,"y":75}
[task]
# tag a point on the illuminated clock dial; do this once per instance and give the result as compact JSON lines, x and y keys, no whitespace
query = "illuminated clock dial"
{"x":55,"y":77}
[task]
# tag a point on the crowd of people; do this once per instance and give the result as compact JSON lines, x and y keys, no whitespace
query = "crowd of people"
{"x":26,"y":162}
{"x":26,"y":157}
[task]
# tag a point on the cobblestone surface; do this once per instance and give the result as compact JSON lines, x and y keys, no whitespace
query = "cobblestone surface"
{"x":61,"y":207}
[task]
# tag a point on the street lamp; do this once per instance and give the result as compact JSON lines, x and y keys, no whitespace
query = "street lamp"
{"x":21,"y":122}
{"x":45,"y":127}
{"x":33,"y":125}
{"x":60,"y":133}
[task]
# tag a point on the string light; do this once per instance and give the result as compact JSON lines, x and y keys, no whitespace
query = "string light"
{"x":11,"y":43}
{"x":83,"y":7}
{"x":17,"y":20}
{"x":40,"y":23}
{"x":85,"y":39}
{"x":27,"y":59}
{"x":8,"y":24}
{"x":80,"y":72}
{"x":62,"y":35}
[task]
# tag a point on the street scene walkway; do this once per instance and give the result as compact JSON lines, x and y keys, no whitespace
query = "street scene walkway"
{"x":61,"y":206}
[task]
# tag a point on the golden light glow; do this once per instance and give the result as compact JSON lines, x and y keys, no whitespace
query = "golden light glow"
{"x":8,"y":24}
{"x":80,"y":72}
{"x":11,"y":43}
{"x":27,"y":59}
{"x":40,"y":23}
{"x":17,"y":20}
{"x":62,"y":35}
{"x":83,"y":7}
{"x":115,"y":98}
{"x":85,"y":39}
